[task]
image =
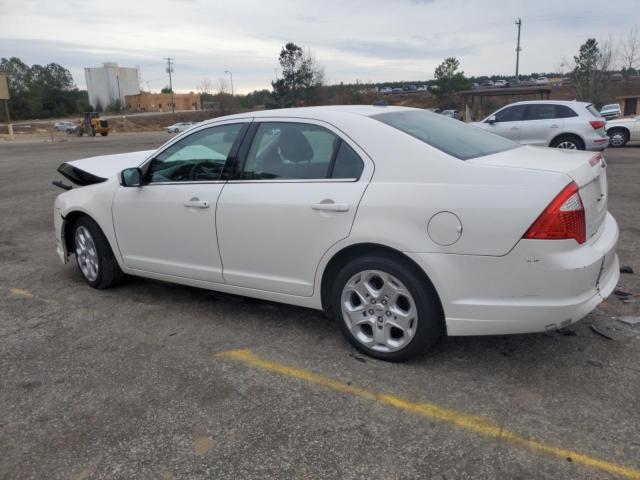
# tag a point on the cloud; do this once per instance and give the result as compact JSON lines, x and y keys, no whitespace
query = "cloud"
{"x":358,"y":39}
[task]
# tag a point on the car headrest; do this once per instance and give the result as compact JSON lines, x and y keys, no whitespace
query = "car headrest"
{"x":294,"y":146}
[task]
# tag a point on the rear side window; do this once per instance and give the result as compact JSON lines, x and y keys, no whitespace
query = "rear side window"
{"x":448,"y":135}
{"x":542,"y":111}
{"x":562,"y":111}
{"x":299,"y":151}
{"x":347,"y":164}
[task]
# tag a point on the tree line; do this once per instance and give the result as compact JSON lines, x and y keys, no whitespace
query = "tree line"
{"x":39,"y":91}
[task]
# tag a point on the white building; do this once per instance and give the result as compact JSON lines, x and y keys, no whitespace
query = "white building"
{"x":108,"y":83}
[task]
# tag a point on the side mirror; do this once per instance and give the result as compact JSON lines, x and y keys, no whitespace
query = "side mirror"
{"x":491,"y":120}
{"x":131,"y":177}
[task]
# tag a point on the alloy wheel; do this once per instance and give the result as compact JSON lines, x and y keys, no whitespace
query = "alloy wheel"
{"x":617,"y":139}
{"x":86,"y":254}
{"x":568,"y":145}
{"x":379,"y":311}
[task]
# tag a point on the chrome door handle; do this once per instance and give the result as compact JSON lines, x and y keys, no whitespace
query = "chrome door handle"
{"x":515,"y":128}
{"x":331,"y":207}
{"x":554,"y":126}
{"x":197,"y":203}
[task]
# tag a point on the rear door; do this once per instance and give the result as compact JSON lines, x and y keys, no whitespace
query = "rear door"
{"x":295,"y":195}
{"x":508,"y":121}
{"x":541,"y":123}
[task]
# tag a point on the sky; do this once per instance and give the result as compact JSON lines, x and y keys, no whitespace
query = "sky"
{"x":365,"y":40}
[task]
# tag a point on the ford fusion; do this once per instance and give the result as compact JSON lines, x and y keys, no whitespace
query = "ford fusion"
{"x":402,"y":224}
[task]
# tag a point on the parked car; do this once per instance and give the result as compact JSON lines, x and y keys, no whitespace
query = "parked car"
{"x":422,"y":88}
{"x":611,"y":111}
{"x":459,"y":232}
{"x":501,"y":83}
{"x":64,"y":126}
{"x":616,"y":77}
{"x":488,"y":84}
{"x":178,"y":127}
{"x":410,"y":88}
{"x":623,"y":130}
{"x":542,"y":81}
{"x":396,"y":90}
{"x":560,"y":124}
{"x":451,"y":113}
{"x":386,"y":90}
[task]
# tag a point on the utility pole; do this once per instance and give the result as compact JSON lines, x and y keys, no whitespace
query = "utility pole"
{"x":170,"y":71}
{"x":519,"y":24}
{"x":232,"y":98}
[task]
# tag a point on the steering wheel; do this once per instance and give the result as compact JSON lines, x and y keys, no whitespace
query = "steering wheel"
{"x":203,"y":171}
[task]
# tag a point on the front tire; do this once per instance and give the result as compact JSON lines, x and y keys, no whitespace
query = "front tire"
{"x":568,"y":142}
{"x":386,"y":308}
{"x":617,"y":137}
{"x":94,"y":256}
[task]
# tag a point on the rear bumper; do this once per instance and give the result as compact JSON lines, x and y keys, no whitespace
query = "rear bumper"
{"x":596,"y":144}
{"x":540,"y":285}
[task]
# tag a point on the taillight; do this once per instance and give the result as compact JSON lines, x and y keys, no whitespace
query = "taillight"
{"x":562,"y":219}
{"x":596,"y":124}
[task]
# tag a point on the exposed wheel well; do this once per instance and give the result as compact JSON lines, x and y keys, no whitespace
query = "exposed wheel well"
{"x":69,"y":222}
{"x":624,"y":129}
{"x":360,"y":249}
{"x":572,"y":135}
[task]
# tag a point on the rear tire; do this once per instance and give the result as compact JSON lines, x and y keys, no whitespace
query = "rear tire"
{"x":386,"y":308}
{"x":568,"y":142}
{"x":104,"y":134}
{"x":618,"y":137}
{"x":94,"y":256}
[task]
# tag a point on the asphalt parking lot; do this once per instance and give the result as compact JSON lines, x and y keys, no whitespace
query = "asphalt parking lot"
{"x":150,"y":380}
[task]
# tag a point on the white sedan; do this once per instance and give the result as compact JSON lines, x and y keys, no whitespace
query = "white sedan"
{"x":623,"y":130}
{"x":179,"y":127}
{"x":403,"y":224}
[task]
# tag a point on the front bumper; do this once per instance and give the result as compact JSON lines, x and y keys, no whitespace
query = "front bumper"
{"x":540,"y":285}
{"x":58,"y":226}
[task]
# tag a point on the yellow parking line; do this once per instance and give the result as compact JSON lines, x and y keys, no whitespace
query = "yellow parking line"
{"x":432,"y":411}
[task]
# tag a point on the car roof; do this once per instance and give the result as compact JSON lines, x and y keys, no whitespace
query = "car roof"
{"x":325,"y":113}
{"x":569,"y":103}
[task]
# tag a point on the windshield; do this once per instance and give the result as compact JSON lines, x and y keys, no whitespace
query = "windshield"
{"x":446,"y":134}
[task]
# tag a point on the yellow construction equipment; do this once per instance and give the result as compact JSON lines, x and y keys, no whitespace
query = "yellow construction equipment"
{"x":90,"y":124}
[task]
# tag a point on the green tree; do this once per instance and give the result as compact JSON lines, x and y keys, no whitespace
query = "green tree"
{"x":41,"y":91}
{"x":301,"y":77}
{"x":590,"y":69}
{"x":448,"y":78}
{"x":166,"y":89}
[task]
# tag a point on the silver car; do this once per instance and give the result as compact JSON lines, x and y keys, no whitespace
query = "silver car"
{"x":550,"y":123}
{"x":611,"y":111}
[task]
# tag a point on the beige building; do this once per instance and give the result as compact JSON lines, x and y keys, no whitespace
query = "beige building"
{"x":629,"y":105}
{"x":161,"y":102}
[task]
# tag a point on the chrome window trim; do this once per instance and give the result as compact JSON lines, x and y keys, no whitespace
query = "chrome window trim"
{"x":202,"y":182}
{"x":299,"y":180}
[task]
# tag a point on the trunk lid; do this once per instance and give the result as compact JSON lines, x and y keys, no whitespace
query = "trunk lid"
{"x":92,"y":170}
{"x":587,"y":169}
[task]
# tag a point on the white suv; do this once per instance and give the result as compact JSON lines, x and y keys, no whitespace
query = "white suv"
{"x":572,"y":125}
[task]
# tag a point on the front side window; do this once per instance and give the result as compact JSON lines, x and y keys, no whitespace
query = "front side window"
{"x":446,"y":134}
{"x":299,"y":151}
{"x":199,"y":157}
{"x":510,"y":114}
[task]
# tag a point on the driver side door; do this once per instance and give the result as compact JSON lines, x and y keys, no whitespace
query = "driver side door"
{"x":508,"y":122}
{"x":168,"y":225}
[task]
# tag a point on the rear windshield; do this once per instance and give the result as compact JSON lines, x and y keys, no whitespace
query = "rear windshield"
{"x":446,"y":134}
